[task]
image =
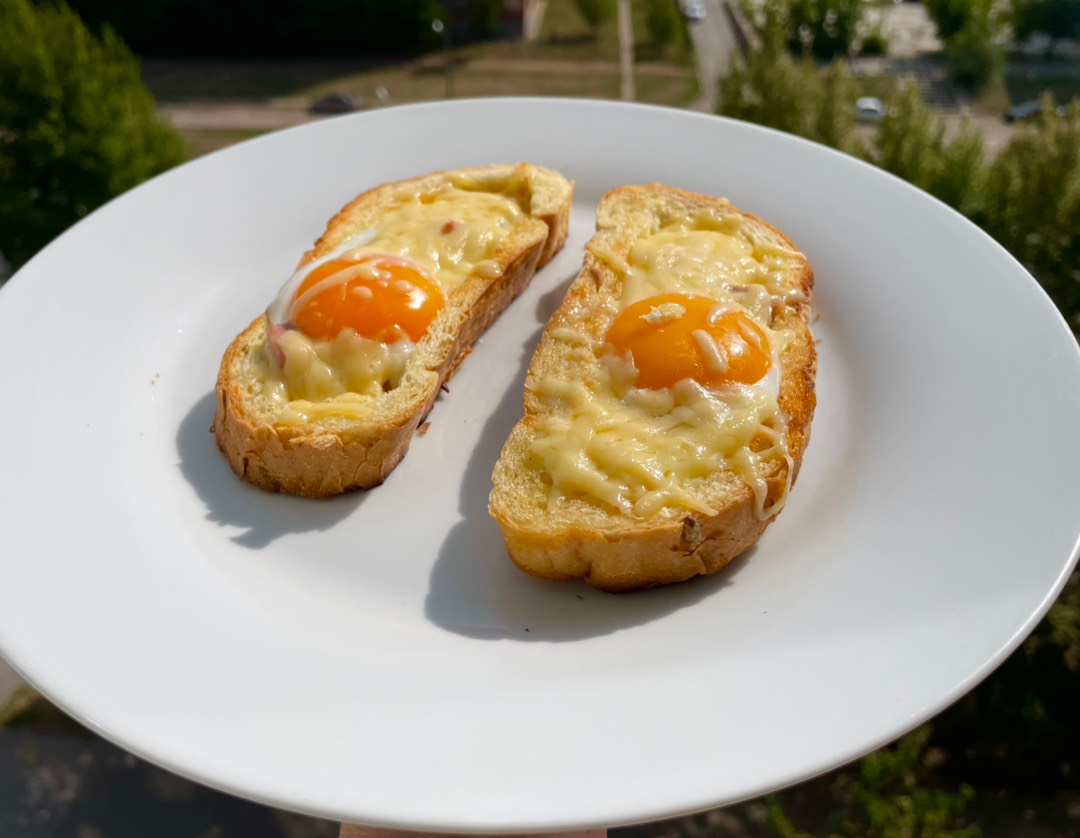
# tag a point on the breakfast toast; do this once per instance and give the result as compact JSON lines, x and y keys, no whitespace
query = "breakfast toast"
{"x":322,"y":394}
{"x":655,"y":446}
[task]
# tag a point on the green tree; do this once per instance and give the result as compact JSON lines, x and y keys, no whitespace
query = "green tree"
{"x":78,"y":127}
{"x":950,"y":16}
{"x":824,"y":29}
{"x":662,"y":21}
{"x":484,"y":17}
{"x":596,"y":12}
{"x":911,"y":144}
{"x":771,"y":88}
{"x":835,"y":125}
{"x":887,"y":796}
{"x":975,"y":55}
{"x":1033,"y":202}
{"x":973,"y":31}
{"x":1057,"y":19}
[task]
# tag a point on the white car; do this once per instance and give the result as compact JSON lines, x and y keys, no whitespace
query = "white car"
{"x":693,"y":10}
{"x":870,"y":109}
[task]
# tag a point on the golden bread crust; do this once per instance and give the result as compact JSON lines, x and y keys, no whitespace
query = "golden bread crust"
{"x":321,"y":458}
{"x":611,"y":551}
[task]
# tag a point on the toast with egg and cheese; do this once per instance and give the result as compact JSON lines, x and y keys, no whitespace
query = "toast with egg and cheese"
{"x":322,"y":393}
{"x":669,"y":402}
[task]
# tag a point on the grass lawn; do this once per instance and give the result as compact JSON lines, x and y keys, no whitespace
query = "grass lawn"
{"x":203,"y":141}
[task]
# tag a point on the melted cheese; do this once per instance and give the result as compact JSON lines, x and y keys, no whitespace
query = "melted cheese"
{"x":339,"y":377}
{"x":641,"y":451}
{"x":451,"y":233}
{"x":650,"y":452}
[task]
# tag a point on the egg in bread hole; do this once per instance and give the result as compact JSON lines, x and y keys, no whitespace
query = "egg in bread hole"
{"x":323,"y":392}
{"x":679,"y":385}
{"x":342,"y":329}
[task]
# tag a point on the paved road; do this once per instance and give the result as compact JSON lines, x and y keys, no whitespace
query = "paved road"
{"x":714,"y":40}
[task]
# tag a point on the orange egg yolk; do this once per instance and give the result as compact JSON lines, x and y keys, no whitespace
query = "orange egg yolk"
{"x":391,"y":299}
{"x":668,"y":337}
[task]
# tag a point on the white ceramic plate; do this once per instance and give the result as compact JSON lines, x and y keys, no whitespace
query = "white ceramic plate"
{"x":376,"y":658}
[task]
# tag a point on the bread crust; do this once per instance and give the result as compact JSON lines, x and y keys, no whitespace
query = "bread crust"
{"x":317,"y":461}
{"x":615,"y":552}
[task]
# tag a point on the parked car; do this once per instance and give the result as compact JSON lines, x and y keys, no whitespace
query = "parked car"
{"x":693,"y":10}
{"x":1029,"y":109}
{"x":870,"y":109}
{"x":337,"y":102}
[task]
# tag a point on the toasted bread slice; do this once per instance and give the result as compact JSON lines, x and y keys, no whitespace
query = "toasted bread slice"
{"x":559,"y":529}
{"x":331,"y":454}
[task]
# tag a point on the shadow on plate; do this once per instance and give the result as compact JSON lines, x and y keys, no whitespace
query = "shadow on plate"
{"x":476,"y":591}
{"x":262,"y":516}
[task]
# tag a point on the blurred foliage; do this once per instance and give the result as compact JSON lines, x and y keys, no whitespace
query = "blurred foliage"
{"x":888,"y":795}
{"x":974,"y":34}
{"x":1057,"y":19}
{"x":1028,"y":197}
{"x":78,"y":127}
{"x":950,"y":16}
{"x":595,"y":12}
{"x":826,"y":28}
{"x":1032,"y":203}
{"x":976,"y":55}
{"x":874,"y":42}
{"x":25,"y":709}
{"x":484,"y":17}
{"x":265,"y":28}
{"x":911,"y":144}
{"x":823,"y":29}
{"x":662,"y":21}
{"x":774,"y":89}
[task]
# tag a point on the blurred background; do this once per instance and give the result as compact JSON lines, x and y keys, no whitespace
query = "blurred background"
{"x":975,"y":101}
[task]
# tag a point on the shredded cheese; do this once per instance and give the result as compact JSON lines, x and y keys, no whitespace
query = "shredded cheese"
{"x":714,"y":359}
{"x":643,"y":451}
{"x":649,"y":452}
{"x":450,"y":233}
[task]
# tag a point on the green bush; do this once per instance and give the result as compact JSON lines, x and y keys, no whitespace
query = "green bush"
{"x":771,"y":88}
{"x":950,"y":16}
{"x":1032,"y":203}
{"x":78,"y":127}
{"x":887,"y":795}
{"x":874,"y":43}
{"x":911,"y":144}
{"x":662,"y":22}
{"x":974,"y":34}
{"x":823,"y":29}
{"x":975,"y":57}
